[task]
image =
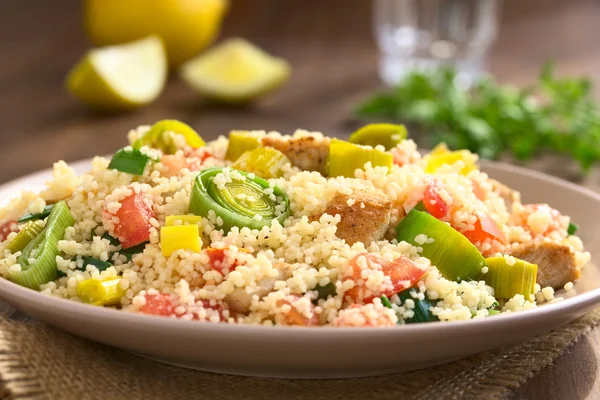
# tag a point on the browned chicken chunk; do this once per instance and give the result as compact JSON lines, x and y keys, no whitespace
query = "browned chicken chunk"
{"x":364,"y":216}
{"x":556,"y":262}
{"x":306,"y":152}
{"x":239,"y":300}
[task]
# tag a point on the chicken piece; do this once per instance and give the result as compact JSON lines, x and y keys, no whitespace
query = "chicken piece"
{"x":365,"y":216}
{"x":556,"y":262}
{"x":308,"y":153}
{"x":507,"y":194}
{"x":239,"y":300}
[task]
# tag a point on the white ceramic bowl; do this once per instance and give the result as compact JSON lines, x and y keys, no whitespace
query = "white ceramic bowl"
{"x":326,"y":352}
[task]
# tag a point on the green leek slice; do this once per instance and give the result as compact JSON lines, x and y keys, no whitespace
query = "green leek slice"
{"x":130,"y":161}
{"x":265,"y":162}
{"x":323,"y":292}
{"x":386,"y":302}
{"x":239,"y":202}
{"x":451,"y":252}
{"x":25,"y":235}
{"x":239,"y":143}
{"x":100,"y":293}
{"x":422,"y":308}
{"x":387,"y":135}
{"x":510,"y":280}
{"x":157,"y":136}
{"x":42,"y":269}
{"x":41,"y":215}
{"x":345,"y":158}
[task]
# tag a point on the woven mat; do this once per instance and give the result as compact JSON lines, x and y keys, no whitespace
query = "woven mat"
{"x":39,"y":362}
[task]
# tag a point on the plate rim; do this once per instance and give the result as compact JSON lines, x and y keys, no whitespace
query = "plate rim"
{"x":9,"y":289}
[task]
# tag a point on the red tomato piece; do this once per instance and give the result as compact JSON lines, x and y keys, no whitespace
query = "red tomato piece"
{"x":219,"y":261}
{"x":7,"y":228}
{"x":295,"y":317}
{"x":159,"y":304}
{"x":403,"y":274}
{"x":433,"y":202}
{"x":173,"y":164}
{"x":134,"y":217}
{"x":485,"y":228}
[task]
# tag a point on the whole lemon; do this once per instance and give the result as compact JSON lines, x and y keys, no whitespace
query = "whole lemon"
{"x":185,"y":26}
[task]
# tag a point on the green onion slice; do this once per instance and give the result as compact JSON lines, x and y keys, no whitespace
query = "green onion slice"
{"x":25,"y":235}
{"x":510,"y":280}
{"x":345,"y":158}
{"x":239,"y":201}
{"x":265,"y":162}
{"x":40,"y":215}
{"x":387,"y":135}
{"x":132,"y":251}
{"x":422,"y":308}
{"x":101,"y":265}
{"x":130,"y":161}
{"x":451,"y":252}
{"x":386,"y":302}
{"x":239,"y":143}
{"x":42,"y":269}
{"x":157,"y":136}
{"x":572,"y":229}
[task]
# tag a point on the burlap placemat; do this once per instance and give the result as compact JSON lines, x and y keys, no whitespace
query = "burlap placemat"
{"x":39,"y":362}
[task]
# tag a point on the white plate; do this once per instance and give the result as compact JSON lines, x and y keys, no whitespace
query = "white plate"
{"x":326,"y":352}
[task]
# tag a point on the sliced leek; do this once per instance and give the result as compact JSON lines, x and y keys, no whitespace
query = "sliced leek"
{"x":99,"y":264}
{"x":387,"y":135}
{"x":265,"y":162}
{"x":345,"y":158}
{"x":101,"y":293}
{"x":40,"y":268}
{"x":182,"y":237}
{"x":451,"y":252}
{"x":238,"y":199}
{"x":239,"y":143}
{"x":158,"y":136}
{"x":323,"y":292}
{"x":27,"y":233}
{"x":509,"y":278}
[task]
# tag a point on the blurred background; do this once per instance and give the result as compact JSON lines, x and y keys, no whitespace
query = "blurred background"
{"x":331,"y":47}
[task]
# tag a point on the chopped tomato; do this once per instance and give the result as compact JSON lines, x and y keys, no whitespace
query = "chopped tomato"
{"x":211,"y":310}
{"x":433,"y":201}
{"x":173,"y":164}
{"x":403,"y":274}
{"x":219,"y":260}
{"x":295,"y":317}
{"x":133,"y":226}
{"x":363,"y":315}
{"x":485,"y":228}
{"x":556,"y":220}
{"x":159,"y":304}
{"x":7,"y":228}
{"x":197,"y":158}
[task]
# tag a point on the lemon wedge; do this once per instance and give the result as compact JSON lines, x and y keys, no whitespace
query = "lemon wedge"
{"x":120,"y":77}
{"x":235,"y":71}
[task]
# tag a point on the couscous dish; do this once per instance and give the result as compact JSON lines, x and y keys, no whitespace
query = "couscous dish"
{"x":303,"y":229}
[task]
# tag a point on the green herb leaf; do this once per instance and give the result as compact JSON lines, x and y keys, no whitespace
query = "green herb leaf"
{"x":555,"y":114}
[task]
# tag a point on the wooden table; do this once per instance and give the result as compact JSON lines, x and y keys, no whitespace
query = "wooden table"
{"x":334,"y":59}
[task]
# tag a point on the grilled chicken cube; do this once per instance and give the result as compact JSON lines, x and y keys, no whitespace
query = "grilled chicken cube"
{"x":556,"y":262}
{"x":239,"y":300}
{"x":365,"y":216}
{"x":308,"y":153}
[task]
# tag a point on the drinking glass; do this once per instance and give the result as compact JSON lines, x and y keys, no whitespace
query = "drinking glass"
{"x":425,"y":34}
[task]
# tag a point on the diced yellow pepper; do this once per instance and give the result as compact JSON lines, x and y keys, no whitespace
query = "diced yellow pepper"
{"x":182,"y":237}
{"x":185,"y":219}
{"x":239,"y":143}
{"x":101,"y":293}
{"x":441,"y":156}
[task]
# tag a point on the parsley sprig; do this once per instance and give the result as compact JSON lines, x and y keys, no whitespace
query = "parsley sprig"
{"x":555,"y":114}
